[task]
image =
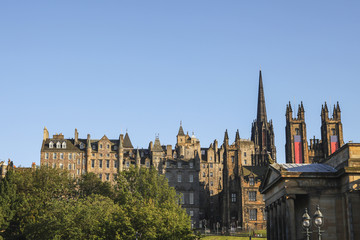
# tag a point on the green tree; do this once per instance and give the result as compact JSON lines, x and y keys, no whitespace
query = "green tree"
{"x":153,"y":205}
{"x":91,"y":184}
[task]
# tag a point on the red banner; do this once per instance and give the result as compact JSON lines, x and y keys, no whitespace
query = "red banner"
{"x":298,"y":149}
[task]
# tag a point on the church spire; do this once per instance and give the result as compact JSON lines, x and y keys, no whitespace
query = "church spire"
{"x":261,"y":108}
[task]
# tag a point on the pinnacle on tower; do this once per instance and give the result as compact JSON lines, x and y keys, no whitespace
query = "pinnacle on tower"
{"x":237,"y":136}
{"x":261,"y":108}
{"x":226,"y":136}
{"x":181,"y":130}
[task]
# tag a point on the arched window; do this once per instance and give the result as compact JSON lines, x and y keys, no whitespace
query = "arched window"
{"x":58,"y":145}
{"x":64,"y":145}
{"x":51,"y":144}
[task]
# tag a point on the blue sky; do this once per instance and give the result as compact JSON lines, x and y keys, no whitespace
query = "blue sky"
{"x":106,"y":66}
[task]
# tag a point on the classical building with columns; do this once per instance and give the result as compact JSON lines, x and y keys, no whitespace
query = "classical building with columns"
{"x":333,"y":184}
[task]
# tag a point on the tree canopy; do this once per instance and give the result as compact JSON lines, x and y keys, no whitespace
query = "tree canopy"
{"x":47,"y":204}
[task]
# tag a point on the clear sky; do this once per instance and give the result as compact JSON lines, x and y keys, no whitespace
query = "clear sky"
{"x":106,"y":66}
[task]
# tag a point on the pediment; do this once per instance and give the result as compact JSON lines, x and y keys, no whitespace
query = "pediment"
{"x":271,"y":176}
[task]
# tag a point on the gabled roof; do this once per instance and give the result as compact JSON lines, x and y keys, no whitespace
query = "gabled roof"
{"x":127,"y":142}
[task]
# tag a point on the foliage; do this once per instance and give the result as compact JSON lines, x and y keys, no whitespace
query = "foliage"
{"x":47,"y":204}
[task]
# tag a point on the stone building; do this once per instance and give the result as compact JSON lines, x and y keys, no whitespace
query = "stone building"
{"x":219,"y":184}
{"x":333,"y":184}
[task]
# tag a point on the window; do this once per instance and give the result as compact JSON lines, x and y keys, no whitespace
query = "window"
{"x":100,"y":163}
{"x":69,"y":156}
{"x":100,"y":154}
{"x":108,"y":146}
{"x":233,"y":197}
{"x":203,"y":174}
{"x":147,"y":164}
{"x":211,"y":183}
{"x":78,"y":172}
{"x":232,"y":159}
{"x":203,"y":165}
{"x":115,"y":147}
{"x":191,"y":198}
{"x":82,"y":146}
{"x":114,"y":176}
{"x":74,"y":166}
{"x":191,"y":164}
{"x":179,"y":177}
{"x":191,"y":178}
{"x":252,"y":196}
{"x":64,"y":145}
{"x":92,"y":163}
{"x":244,"y":154}
{"x":100,"y":146}
{"x":46,"y":155}
{"x":107,"y":163}
{"x":61,"y":166}
{"x":115,"y":164}
{"x":211,"y":174}
{"x":168,"y":164}
{"x":51,"y":145}
{"x":79,"y":162}
{"x":220,"y":169}
{"x":251,"y":181}
{"x":179,"y":164}
{"x":58,"y":145}
{"x":100,"y":176}
{"x":127,"y":164}
{"x":253,"y":214}
{"x":191,"y":213}
{"x":211,"y":165}
{"x":211,"y":192}
{"x":202,"y":152}
{"x":54,"y":155}
{"x":333,"y":131}
{"x":107,"y":176}
{"x":297,"y":131}
{"x":210,"y":158}
{"x":61,"y":155}
{"x":108,"y":155}
{"x":245,"y":162}
{"x":70,"y":166}
{"x":54,"y":165}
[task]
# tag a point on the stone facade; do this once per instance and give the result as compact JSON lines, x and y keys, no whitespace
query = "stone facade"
{"x":219,"y":184}
{"x":332,"y":184}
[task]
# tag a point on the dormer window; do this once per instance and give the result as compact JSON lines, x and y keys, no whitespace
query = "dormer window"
{"x":58,"y":145}
{"x":115,"y":147}
{"x":82,"y":146}
{"x":51,"y":145}
{"x":64,"y":145}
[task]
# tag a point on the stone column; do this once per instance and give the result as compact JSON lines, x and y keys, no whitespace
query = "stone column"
{"x":290,"y":217}
{"x":273,"y":222}
{"x":267,"y":211}
{"x":279,"y":216}
{"x":283,"y":218}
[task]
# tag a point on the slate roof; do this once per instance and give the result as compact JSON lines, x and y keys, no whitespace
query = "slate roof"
{"x":127,"y":143}
{"x":314,"y":167}
{"x":257,"y":171}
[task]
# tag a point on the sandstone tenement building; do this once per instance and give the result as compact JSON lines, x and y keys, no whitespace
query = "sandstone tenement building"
{"x":219,"y":184}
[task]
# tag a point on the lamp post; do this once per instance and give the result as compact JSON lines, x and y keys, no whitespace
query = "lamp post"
{"x":306,"y":223}
{"x":318,"y":220}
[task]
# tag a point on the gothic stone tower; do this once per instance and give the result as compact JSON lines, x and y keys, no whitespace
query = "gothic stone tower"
{"x":331,"y":130}
{"x":296,"y":146}
{"x":262,"y":132}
